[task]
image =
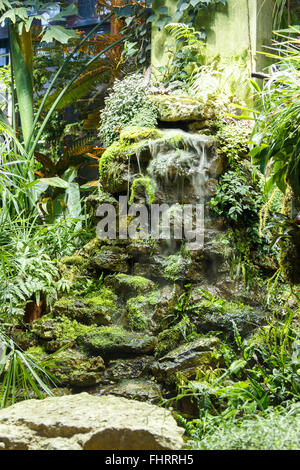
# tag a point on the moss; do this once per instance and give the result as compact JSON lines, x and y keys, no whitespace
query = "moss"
{"x":289,"y":262}
{"x":118,"y":152}
{"x":176,"y":267}
{"x":104,"y":300}
{"x":137,"y":320}
{"x":67,"y":329}
{"x":153,"y":297}
{"x":172,"y":337}
{"x":137,"y":134}
{"x":142,"y":186}
{"x":75,"y":260}
{"x":94,"y":307}
{"x":115,"y":340}
{"x":37,"y":351}
{"x":93,"y":245}
{"x":131,"y":284}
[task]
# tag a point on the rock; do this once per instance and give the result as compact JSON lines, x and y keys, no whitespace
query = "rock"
{"x":153,"y":267}
{"x":172,"y":337}
{"x":129,"y":286}
{"x":141,"y":390}
{"x":86,"y":422}
{"x":115,"y":341}
{"x":93,"y":201}
{"x":54,"y":333}
{"x":172,"y":108}
{"x":140,"y":314}
{"x":209,"y":313}
{"x":24,"y":339}
{"x":166,"y":303}
{"x":78,"y":370}
{"x":135,"y":368}
{"x":92,"y":310}
{"x":112,"y":258}
{"x":186,"y":359}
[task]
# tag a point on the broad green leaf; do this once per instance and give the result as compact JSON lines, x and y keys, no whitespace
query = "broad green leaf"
{"x":59,"y":33}
{"x":56,"y":182}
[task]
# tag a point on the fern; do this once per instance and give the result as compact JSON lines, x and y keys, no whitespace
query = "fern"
{"x":81,"y":87}
{"x":187,"y":34}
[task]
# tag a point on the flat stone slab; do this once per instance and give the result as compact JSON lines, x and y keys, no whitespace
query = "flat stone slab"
{"x":86,"y":422}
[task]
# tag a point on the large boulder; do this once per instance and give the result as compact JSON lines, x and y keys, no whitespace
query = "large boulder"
{"x":86,"y":422}
{"x":172,"y":108}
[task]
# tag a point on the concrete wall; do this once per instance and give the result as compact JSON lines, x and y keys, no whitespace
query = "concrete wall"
{"x":240,"y":26}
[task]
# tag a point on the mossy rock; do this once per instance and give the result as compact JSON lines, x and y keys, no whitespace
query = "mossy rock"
{"x":290,"y":261}
{"x":24,"y":339}
{"x":135,"y":134}
{"x":56,"y":332}
{"x":115,"y":341}
{"x":113,"y":166}
{"x":137,"y":389}
{"x":173,"y":337}
{"x":215,"y":314}
{"x":75,"y":260}
{"x":172,"y":108}
{"x":141,"y":312}
{"x":129,"y":286}
{"x":187,"y":360}
{"x":38,"y":352}
{"x":142,"y":191}
{"x":112,"y":258}
{"x":96,"y":308}
{"x":177,"y":267}
{"x":129,"y":368}
{"x":77,"y":370}
{"x":93,"y":201}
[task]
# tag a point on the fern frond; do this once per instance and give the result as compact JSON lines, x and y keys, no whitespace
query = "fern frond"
{"x":80,"y":147}
{"x":79,"y":89}
{"x":186,"y":33}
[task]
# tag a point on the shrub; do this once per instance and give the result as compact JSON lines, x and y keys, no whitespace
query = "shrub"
{"x":126,"y":105}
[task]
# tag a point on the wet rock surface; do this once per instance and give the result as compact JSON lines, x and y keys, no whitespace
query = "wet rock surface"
{"x":116,"y":341}
{"x":186,"y":359}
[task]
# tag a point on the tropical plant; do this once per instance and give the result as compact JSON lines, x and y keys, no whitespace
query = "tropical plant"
{"x":21,"y":375}
{"x":236,"y":200}
{"x":124,"y":106}
{"x":276,"y":135}
{"x":22,"y":60}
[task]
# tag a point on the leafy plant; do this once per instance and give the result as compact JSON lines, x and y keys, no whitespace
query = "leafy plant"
{"x":276,"y":134}
{"x":126,"y":105}
{"x":21,"y":375}
{"x":236,"y":200}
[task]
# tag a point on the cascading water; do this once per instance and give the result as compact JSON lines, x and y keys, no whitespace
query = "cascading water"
{"x":181,"y":166}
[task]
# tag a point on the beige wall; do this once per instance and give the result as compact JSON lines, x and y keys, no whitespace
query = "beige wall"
{"x":243,"y":25}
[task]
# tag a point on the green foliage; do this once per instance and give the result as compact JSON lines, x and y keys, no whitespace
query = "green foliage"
{"x":259,"y":387}
{"x":223,"y":80}
{"x":185,"y":56}
{"x":189,"y":9}
{"x":125,"y":106}
{"x":18,"y":13}
{"x":22,"y":374}
{"x":137,"y":28}
{"x":275,"y":429}
{"x":276,"y":134}
{"x":233,"y":142}
{"x":236,"y":200}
